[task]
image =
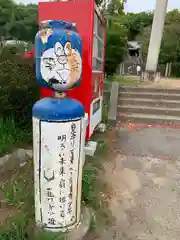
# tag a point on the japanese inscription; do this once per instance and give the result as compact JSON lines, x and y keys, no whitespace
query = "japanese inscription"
{"x":60,"y":172}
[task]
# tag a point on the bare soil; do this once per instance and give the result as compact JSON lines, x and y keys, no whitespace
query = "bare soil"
{"x":164,"y":83}
{"x":6,"y":212}
{"x":9,"y":170}
{"x":144,"y":175}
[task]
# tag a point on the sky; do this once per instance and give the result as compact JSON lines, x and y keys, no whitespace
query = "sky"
{"x":132,"y":5}
{"x":145,"y":5}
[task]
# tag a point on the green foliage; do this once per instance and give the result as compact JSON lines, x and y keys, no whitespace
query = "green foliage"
{"x":116,"y":47}
{"x":115,"y":7}
{"x":170,"y":46}
{"x":137,"y":26}
{"x":12,"y":136}
{"x":116,"y":36}
{"x":16,"y":229}
{"x":19,"y":90}
{"x":15,"y":192}
{"x":173,"y":17}
{"x":89,"y":181}
{"x":17,"y":195}
{"x":136,"y":22}
{"x":20,"y":227}
{"x":18,"y":21}
{"x":125,"y":81}
{"x":93,"y":188}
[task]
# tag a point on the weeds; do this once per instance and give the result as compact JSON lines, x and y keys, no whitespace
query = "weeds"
{"x":18,"y":191}
{"x":11,"y":136}
{"x":21,"y":228}
{"x":93,"y":187}
{"x":16,"y":228}
{"x":125,"y":81}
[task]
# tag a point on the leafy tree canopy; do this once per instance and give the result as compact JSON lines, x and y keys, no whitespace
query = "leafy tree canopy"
{"x":18,"y":21}
{"x":170,"y":47}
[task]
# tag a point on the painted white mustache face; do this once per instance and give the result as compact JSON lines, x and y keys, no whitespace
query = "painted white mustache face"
{"x":57,"y":67}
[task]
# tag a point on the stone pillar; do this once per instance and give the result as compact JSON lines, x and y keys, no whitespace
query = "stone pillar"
{"x":155,"y":40}
{"x":59,"y":131}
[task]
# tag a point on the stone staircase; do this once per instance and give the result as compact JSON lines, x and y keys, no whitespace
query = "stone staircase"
{"x":149,"y":105}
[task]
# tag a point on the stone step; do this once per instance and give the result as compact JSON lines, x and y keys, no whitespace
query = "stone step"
{"x":149,"y":110}
{"x":149,"y":102}
{"x":147,"y":95}
{"x":149,"y":90}
{"x":149,"y":119}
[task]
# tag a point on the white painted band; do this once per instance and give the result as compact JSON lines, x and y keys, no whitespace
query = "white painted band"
{"x":58,"y":162}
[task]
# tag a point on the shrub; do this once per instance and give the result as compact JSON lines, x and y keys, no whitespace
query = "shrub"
{"x":18,"y":88}
{"x":11,"y":136}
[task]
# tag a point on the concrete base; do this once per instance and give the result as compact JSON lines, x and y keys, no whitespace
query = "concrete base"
{"x":90,"y":148}
{"x":77,"y":233}
{"x":82,"y":229}
{"x":150,"y":76}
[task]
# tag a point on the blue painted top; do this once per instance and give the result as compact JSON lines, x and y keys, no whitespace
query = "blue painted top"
{"x":58,"y":49}
{"x":61,"y":24}
{"x":54,"y":109}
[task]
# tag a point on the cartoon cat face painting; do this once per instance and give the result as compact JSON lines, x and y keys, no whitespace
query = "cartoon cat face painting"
{"x":61,"y":67}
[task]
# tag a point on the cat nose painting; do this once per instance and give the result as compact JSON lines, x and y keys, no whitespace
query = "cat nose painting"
{"x":61,"y":67}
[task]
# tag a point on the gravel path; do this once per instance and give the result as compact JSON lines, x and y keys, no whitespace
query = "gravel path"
{"x":145,"y":177}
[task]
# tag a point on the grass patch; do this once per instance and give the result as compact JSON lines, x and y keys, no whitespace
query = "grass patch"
{"x":18,"y":193}
{"x":125,"y":81}
{"x":11,"y":136}
{"x":20,"y":228}
{"x":105,"y":112}
{"x":94,"y":189}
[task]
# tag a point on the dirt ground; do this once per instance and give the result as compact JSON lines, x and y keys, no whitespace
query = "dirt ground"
{"x":145,"y":178}
{"x":143,"y":174}
{"x":162,"y":83}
